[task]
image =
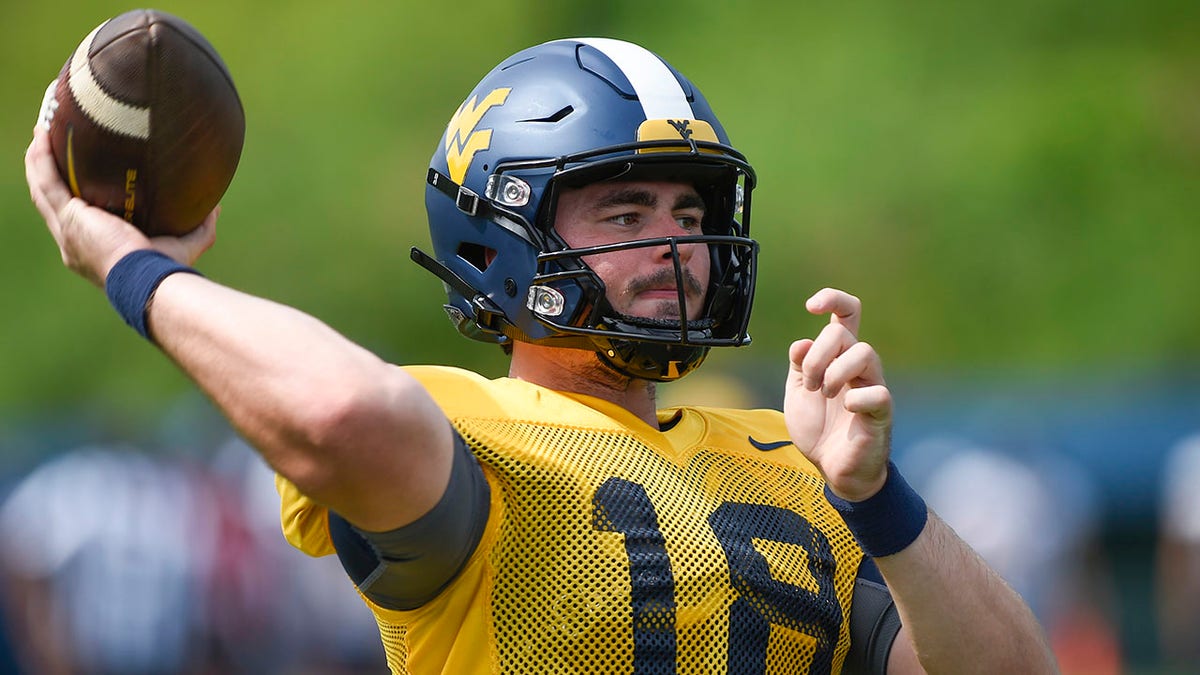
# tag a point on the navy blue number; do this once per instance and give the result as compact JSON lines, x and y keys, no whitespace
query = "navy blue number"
{"x":622,"y":506}
{"x":763,"y":600}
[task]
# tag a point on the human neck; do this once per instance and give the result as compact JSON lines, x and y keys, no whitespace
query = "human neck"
{"x":579,"y":371}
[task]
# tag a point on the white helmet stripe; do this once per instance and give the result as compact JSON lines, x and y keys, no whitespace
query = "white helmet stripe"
{"x":656,"y":87}
{"x":106,"y":111}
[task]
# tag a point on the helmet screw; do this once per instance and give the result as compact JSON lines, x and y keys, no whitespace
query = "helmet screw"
{"x":510,"y":287}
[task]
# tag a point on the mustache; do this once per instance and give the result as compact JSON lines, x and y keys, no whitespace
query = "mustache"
{"x":664,"y":278}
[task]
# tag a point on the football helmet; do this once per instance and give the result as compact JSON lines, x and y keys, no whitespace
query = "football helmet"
{"x":566,"y":114}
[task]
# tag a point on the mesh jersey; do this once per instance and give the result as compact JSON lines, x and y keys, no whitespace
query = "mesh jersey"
{"x":613,"y":547}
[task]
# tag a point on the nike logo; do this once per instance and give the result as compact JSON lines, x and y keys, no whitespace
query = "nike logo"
{"x":767,"y":447}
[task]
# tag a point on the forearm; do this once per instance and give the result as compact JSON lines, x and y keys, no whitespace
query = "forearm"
{"x":262,"y":363}
{"x":961,"y":615}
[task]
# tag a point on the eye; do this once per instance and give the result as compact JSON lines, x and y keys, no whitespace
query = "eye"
{"x":624,"y":219}
{"x":688,"y":222}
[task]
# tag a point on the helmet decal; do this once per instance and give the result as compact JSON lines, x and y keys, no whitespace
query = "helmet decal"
{"x":675,"y":130}
{"x":653,"y":83}
{"x":463,"y":140}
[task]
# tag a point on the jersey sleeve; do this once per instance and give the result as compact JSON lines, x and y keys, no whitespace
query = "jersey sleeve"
{"x":407,"y":567}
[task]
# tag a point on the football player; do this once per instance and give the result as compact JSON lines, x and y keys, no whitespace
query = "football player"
{"x":589,"y":214}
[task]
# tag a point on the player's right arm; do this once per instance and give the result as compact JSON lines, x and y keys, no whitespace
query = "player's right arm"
{"x":351,"y":431}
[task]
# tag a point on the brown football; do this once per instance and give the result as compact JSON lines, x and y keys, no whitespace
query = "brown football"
{"x":145,"y":122}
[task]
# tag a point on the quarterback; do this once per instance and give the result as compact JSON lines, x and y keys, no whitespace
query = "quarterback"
{"x":588,"y":214}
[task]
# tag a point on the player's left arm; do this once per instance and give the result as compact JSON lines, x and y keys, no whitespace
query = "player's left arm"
{"x":958,"y":614}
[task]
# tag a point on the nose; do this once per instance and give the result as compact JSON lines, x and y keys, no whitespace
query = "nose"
{"x":666,"y":225}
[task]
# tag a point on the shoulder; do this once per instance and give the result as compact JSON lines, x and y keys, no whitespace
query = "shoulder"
{"x":466,"y":395}
{"x":461,"y":393}
{"x":446,"y":380}
{"x":305,"y":522}
{"x":759,"y":436}
{"x":729,"y":427}
{"x":734,"y":418}
{"x":444,"y":374}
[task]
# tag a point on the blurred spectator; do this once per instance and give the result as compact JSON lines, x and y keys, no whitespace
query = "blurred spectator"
{"x":100,"y":558}
{"x":1178,"y":557}
{"x":317,"y":625}
{"x":1035,"y":519}
{"x":121,"y":562}
{"x":8,"y":660}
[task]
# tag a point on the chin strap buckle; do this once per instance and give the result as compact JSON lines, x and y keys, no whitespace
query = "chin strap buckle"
{"x":467,"y":201}
{"x":464,"y":198}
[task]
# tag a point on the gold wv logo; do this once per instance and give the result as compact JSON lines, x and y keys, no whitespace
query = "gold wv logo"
{"x":463,"y":140}
{"x":682,"y":127}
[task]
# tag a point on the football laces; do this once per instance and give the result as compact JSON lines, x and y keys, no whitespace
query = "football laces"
{"x":49,"y":105}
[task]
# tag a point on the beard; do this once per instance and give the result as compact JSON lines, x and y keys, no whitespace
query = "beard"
{"x":600,"y":372}
{"x":664,"y":310}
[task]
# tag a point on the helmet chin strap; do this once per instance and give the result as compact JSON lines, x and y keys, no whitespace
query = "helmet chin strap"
{"x":650,"y":360}
{"x":705,"y":323}
{"x":654,"y":361}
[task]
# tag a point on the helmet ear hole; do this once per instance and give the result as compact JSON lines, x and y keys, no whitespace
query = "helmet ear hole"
{"x":478,"y":256}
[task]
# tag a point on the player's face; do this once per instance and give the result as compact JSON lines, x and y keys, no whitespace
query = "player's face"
{"x":640,"y":281}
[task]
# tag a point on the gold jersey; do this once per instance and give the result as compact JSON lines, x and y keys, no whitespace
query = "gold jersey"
{"x":614,"y":547}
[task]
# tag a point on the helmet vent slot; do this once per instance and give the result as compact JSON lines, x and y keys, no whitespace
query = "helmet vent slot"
{"x":556,"y":117}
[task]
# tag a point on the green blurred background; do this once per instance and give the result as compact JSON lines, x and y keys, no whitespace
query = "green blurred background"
{"x":1011,"y":188}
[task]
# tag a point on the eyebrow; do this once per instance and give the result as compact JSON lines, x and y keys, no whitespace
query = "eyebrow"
{"x":639,"y":197}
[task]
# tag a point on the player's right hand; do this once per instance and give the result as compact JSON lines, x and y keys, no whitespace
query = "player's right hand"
{"x":92,"y":240}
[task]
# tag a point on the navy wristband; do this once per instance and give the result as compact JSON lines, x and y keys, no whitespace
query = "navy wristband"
{"x":888,"y":521}
{"x":131,"y":283}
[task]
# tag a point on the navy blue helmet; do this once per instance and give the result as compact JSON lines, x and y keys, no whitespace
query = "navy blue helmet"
{"x":565,"y":114}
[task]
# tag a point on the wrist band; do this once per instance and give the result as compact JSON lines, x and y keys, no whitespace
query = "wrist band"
{"x":886,"y":522}
{"x":131,"y":283}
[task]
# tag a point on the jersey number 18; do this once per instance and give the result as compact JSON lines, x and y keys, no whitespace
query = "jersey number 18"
{"x":762,"y":601}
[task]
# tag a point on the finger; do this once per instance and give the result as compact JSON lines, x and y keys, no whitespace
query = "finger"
{"x":203,"y":237}
{"x":846,"y":309}
{"x":49,"y":194}
{"x":189,"y":247}
{"x":797,"y":352}
{"x":858,"y":366}
{"x":874,"y":401}
{"x":32,"y":173}
{"x":833,"y":340}
{"x":41,"y":171}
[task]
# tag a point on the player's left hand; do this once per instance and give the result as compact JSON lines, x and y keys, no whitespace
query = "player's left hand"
{"x":837,"y":405}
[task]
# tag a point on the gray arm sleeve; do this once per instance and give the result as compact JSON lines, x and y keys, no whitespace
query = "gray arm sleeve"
{"x":409,"y":566}
{"x":874,"y":623}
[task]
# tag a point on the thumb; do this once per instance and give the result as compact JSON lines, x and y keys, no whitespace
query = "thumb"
{"x":187,"y":248}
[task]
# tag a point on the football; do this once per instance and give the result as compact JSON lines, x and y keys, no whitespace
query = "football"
{"x":145,"y":122}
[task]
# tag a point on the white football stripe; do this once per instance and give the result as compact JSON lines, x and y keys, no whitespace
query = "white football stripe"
{"x":656,"y":87}
{"x":101,"y":108}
